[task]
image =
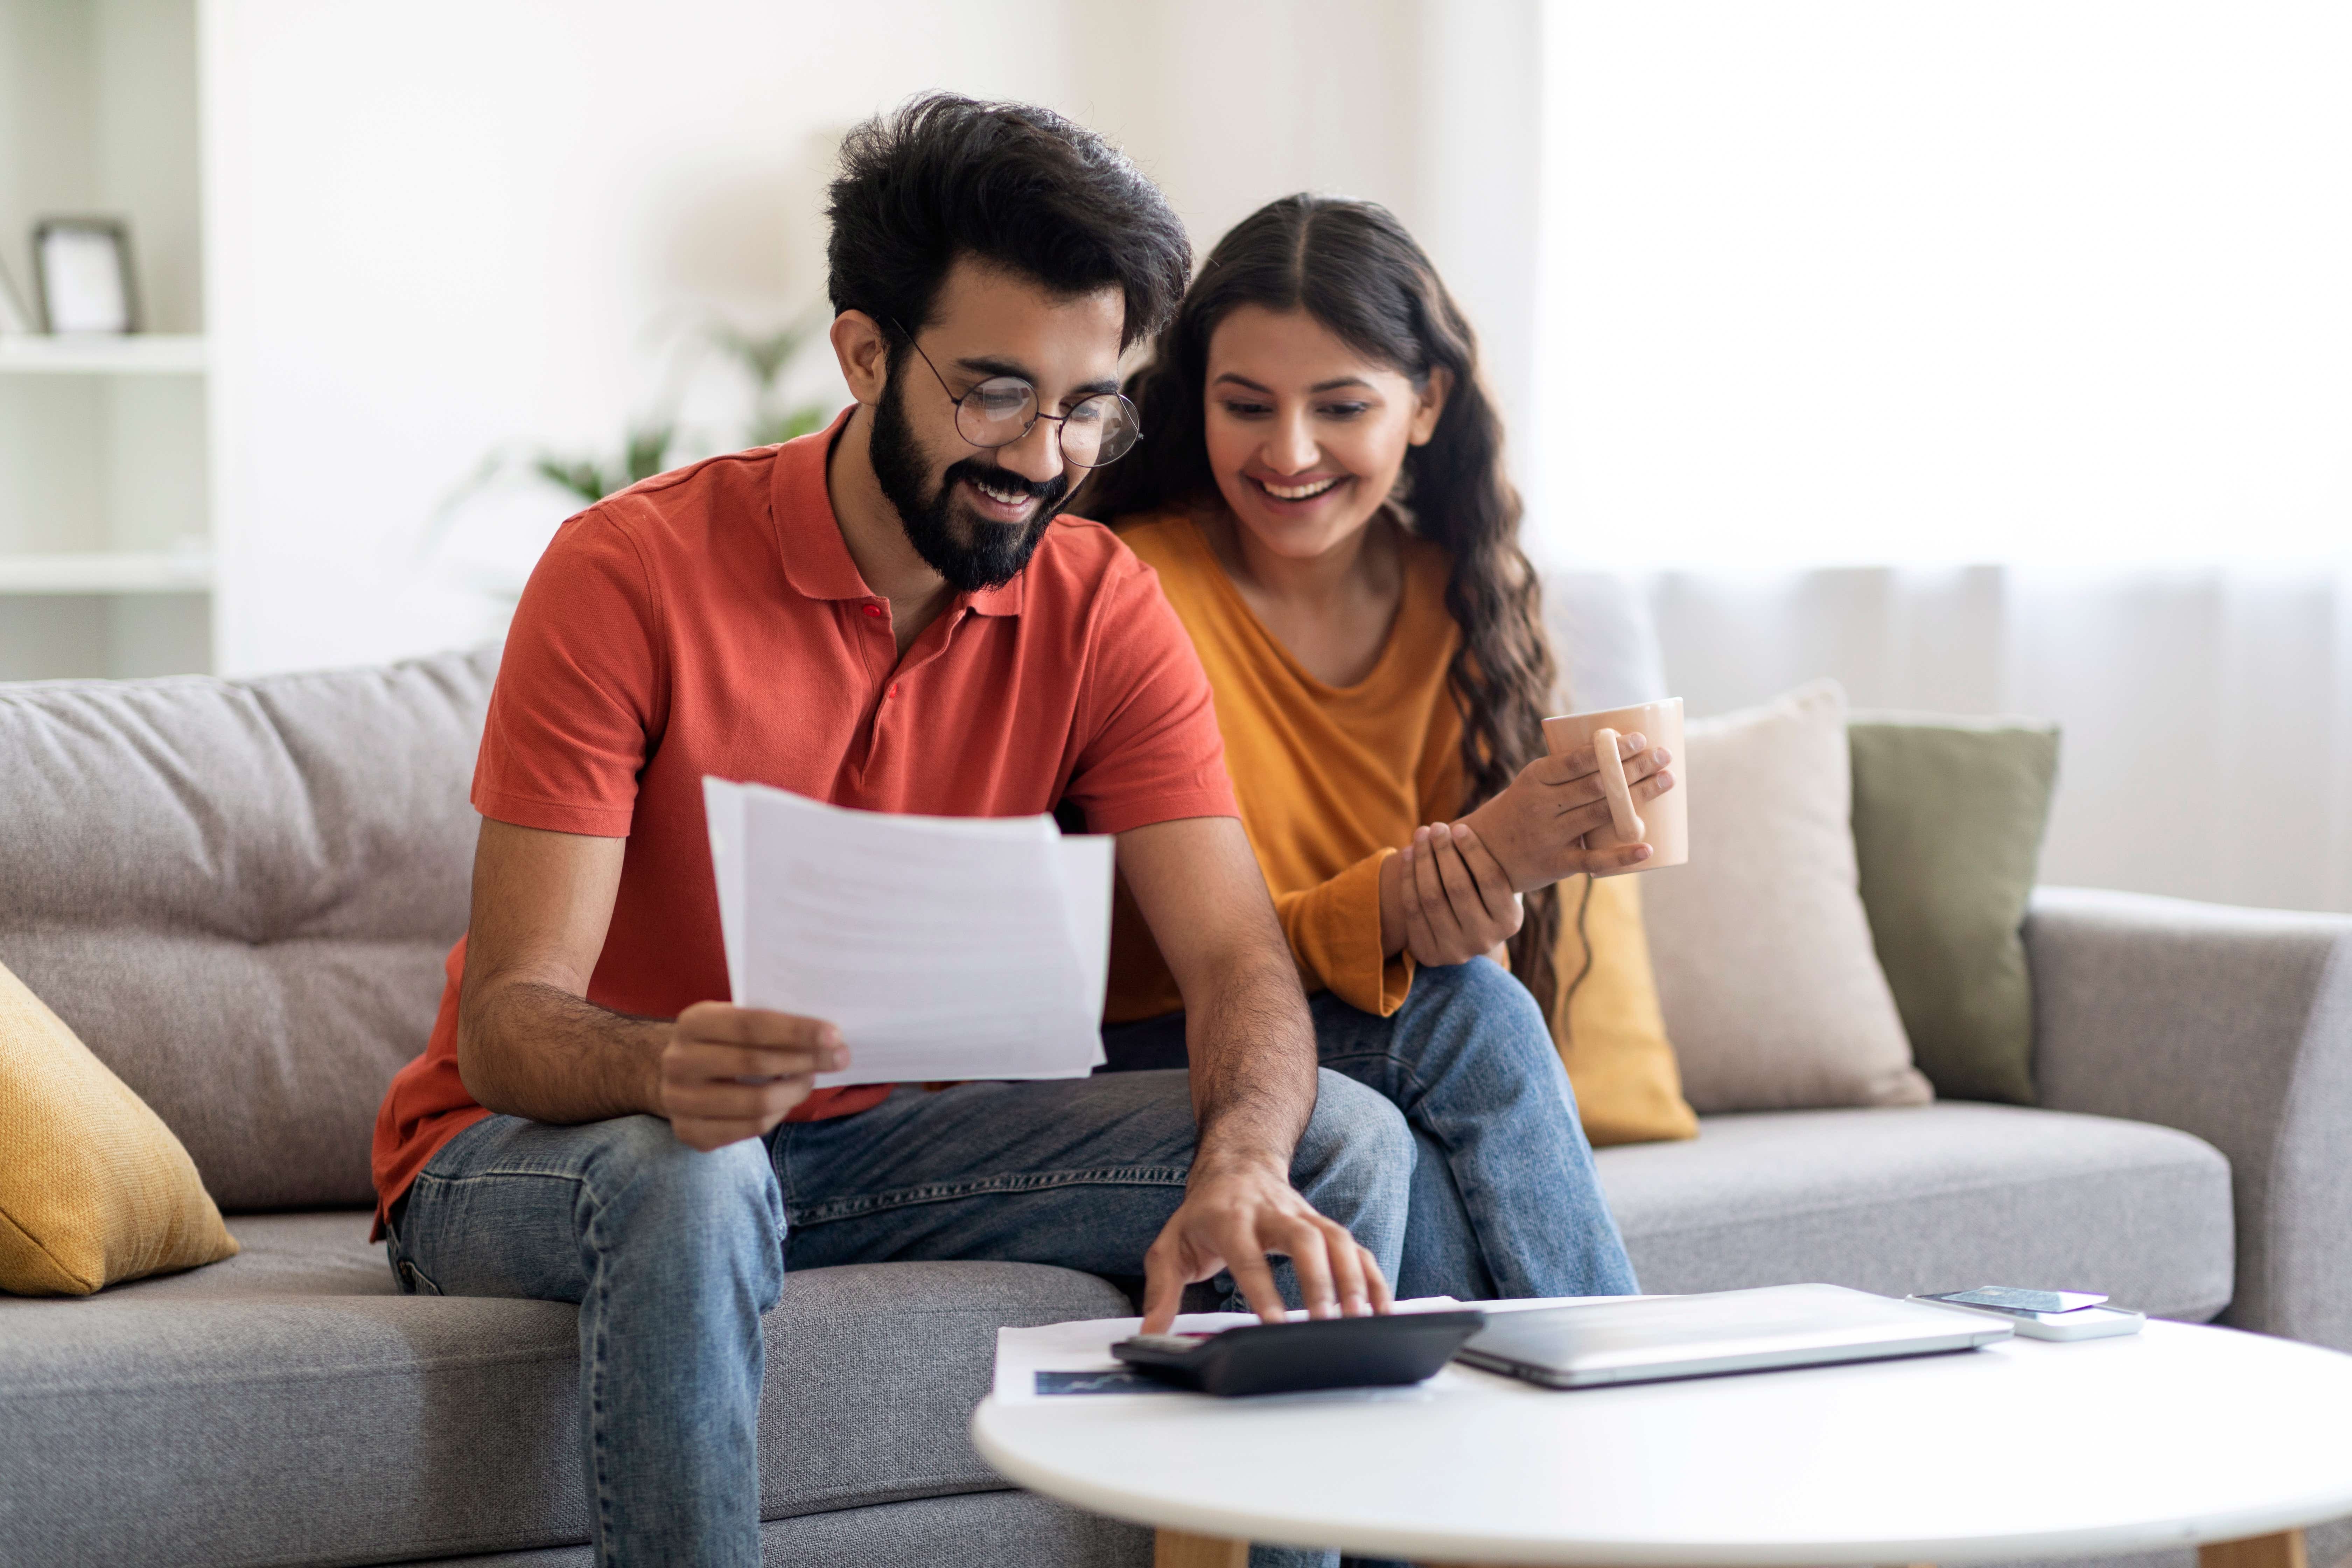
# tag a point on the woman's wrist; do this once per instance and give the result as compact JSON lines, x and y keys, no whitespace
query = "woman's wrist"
{"x":1492,"y":827}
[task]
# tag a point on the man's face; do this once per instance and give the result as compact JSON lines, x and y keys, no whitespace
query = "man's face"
{"x":976,"y":514}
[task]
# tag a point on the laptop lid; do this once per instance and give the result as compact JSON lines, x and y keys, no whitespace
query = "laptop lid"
{"x":1644,"y":1339}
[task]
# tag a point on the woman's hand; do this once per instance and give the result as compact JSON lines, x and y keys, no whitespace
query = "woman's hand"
{"x":1458,"y":903}
{"x":1538,"y":827}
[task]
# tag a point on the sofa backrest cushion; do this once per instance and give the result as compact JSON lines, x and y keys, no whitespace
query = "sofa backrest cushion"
{"x":239,"y":895}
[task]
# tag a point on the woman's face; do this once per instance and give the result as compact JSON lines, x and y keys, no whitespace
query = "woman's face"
{"x":1307,"y":436}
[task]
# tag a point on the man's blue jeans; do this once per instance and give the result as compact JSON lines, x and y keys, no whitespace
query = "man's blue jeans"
{"x":672,"y":1256}
{"x":1504,"y":1199}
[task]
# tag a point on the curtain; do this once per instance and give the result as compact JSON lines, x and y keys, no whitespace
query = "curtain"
{"x":2207,"y":712}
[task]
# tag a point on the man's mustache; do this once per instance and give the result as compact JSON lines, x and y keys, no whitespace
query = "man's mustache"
{"x":998,"y":476}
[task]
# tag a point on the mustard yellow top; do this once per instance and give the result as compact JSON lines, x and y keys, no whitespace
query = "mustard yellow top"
{"x":1332,"y":779}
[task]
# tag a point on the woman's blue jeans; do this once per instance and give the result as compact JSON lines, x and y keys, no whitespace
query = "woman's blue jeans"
{"x":1506,"y":1203}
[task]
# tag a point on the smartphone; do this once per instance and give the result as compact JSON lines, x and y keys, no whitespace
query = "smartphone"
{"x":2045,"y":1314}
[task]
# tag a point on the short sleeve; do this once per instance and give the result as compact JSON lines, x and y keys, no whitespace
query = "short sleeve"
{"x":576,"y":708}
{"x":1152,"y":751}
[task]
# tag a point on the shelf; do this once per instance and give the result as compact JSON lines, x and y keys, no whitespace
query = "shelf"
{"x":148,"y":353}
{"x":105,"y":572}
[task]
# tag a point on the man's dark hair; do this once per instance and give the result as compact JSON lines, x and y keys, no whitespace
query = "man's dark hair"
{"x":944,"y":176}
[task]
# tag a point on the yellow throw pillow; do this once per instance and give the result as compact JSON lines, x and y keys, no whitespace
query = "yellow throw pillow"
{"x":1607,"y":1024}
{"x":94,"y":1189}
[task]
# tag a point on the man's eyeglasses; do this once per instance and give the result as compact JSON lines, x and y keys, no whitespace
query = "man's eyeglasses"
{"x":1004,"y":409}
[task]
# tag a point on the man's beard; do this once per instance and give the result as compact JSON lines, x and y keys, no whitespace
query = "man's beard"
{"x":988,"y":555}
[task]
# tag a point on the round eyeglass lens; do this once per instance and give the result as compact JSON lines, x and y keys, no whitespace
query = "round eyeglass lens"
{"x":998,"y":412}
{"x":1098,"y":430}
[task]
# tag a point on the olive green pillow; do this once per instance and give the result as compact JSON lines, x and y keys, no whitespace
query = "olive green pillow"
{"x":1947,"y":820}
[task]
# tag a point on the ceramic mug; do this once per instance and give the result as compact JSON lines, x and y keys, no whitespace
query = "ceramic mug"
{"x":1662,"y":823}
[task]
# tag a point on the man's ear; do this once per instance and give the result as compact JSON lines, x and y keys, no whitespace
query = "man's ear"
{"x":864,"y":353}
{"x":1432,"y":407}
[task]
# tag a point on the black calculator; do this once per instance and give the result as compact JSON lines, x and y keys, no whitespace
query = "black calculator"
{"x":1319,"y":1352}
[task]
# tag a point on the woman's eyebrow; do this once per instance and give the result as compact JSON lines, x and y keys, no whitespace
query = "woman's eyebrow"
{"x":1332,"y":385}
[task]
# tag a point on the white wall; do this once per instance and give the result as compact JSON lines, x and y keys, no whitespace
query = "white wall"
{"x":443,"y":228}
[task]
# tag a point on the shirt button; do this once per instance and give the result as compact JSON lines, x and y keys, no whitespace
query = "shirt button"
{"x":872,"y":609}
{"x":894,"y":690}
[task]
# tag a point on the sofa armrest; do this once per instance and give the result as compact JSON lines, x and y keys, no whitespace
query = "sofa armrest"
{"x":2234,"y":1024}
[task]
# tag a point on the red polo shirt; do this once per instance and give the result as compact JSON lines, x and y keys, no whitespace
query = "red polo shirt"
{"x":711,"y":621}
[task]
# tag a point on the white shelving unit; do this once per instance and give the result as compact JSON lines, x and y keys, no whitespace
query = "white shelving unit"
{"x":107,"y":541}
{"x":106,"y":571}
{"x":146,"y":354}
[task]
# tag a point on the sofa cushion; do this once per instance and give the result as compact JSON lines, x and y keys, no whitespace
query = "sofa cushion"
{"x":93,"y":1186}
{"x":239,"y":894}
{"x":1934,"y":1198}
{"x":288,"y":1406}
{"x":1773,"y":997}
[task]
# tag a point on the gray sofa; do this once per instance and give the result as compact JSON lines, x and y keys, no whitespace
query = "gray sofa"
{"x":240,"y":894}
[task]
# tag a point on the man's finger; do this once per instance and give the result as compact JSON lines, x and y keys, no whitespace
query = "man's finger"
{"x":734,"y":1101}
{"x":1310,"y":1259}
{"x":1348,"y":1282}
{"x":1255,"y":1275}
{"x":721,"y":1023}
{"x":703,"y":1058}
{"x":1383,"y":1299}
{"x":1163,"y":1284}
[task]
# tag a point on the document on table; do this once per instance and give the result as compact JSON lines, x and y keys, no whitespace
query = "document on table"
{"x":941,"y":947}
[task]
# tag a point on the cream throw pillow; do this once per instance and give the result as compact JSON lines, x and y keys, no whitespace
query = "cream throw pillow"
{"x":1772,"y":990}
{"x":94,"y":1189}
{"x":1606,"y":1024}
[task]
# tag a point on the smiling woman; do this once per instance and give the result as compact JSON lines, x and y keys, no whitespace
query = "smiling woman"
{"x":1321,"y":494}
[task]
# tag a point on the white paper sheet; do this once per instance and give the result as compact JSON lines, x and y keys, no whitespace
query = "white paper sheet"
{"x":943,"y":948}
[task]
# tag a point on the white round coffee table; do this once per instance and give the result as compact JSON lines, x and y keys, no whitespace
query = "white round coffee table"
{"x":2174,"y":1436}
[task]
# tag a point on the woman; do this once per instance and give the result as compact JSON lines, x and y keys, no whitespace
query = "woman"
{"x":1322,"y":493}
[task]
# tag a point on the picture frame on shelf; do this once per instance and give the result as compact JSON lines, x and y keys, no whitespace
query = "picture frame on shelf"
{"x":16,"y":316}
{"x":81,"y":267}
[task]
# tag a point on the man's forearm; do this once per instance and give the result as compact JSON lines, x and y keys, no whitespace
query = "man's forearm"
{"x":1251,"y":1050}
{"x":531,"y":1049}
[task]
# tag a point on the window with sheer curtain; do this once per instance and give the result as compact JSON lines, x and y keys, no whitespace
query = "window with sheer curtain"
{"x":1887,"y":282}
{"x":1990,"y":357}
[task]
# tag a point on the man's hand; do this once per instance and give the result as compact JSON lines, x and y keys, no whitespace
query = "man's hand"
{"x":1232,"y":1218}
{"x":1536,"y":828}
{"x":731,"y":1073}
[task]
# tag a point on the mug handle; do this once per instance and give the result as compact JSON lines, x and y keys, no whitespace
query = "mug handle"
{"x":1628,"y":823}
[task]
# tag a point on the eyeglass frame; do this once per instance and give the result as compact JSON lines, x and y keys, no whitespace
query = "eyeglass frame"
{"x":1134,"y":415}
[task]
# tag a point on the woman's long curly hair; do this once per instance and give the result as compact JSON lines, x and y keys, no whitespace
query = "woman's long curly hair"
{"x":1351,"y":266}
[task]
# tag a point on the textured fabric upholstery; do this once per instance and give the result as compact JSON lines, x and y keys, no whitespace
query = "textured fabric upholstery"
{"x":978,"y":1530}
{"x":1932,"y":1197}
{"x":239,"y":893}
{"x":288,"y":1406}
{"x":2235,"y":1025}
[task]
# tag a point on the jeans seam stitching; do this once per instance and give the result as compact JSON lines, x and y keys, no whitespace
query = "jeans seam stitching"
{"x":1023,"y":1181}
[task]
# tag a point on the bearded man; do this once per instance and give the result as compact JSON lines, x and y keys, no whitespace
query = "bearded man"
{"x":886,"y":615}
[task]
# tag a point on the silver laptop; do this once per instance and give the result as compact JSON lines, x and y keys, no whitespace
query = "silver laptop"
{"x":1644,"y":1339}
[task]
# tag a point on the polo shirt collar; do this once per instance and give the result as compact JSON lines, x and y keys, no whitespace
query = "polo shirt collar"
{"x":817,"y":561}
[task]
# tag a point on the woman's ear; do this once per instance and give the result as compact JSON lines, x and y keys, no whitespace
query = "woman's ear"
{"x":863,"y":354}
{"x":1432,"y":407}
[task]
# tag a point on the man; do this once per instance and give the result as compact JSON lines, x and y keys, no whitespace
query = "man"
{"x":888,"y":615}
